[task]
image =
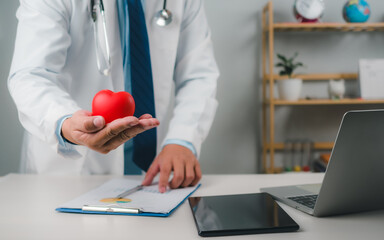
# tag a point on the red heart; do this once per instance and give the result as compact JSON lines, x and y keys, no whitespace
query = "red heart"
{"x":113,"y":105}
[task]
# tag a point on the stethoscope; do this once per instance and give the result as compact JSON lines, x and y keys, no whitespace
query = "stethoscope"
{"x":162,"y":19}
{"x":164,"y":16}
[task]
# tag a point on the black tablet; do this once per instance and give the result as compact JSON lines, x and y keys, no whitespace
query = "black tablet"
{"x":239,"y":214}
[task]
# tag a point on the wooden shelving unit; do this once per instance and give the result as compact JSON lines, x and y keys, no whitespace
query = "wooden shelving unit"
{"x":269,"y":78}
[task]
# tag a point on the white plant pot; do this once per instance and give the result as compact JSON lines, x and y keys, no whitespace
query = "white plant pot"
{"x":289,"y":89}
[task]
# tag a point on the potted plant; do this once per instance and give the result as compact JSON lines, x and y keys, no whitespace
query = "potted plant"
{"x":289,"y":88}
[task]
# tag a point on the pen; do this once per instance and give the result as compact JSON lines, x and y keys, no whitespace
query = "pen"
{"x":97,"y":208}
{"x":130,"y":191}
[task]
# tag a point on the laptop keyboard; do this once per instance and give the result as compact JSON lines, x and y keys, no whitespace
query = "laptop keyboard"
{"x":307,"y":200}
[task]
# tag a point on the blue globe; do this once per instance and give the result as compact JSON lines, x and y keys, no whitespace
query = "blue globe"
{"x":356,"y":11}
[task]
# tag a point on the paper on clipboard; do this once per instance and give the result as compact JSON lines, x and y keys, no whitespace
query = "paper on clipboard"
{"x":149,"y":200}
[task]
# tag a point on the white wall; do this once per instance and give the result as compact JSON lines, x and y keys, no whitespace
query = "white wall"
{"x":10,"y":129}
{"x":233,"y":145}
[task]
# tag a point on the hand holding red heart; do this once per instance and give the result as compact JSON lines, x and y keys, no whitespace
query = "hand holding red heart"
{"x":104,"y":134}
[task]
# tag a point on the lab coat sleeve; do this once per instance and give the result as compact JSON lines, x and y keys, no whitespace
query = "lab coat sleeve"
{"x":36,"y":83}
{"x":195,"y":79}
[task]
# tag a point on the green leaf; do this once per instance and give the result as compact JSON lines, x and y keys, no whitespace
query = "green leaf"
{"x":288,"y":64}
{"x":299,"y":64}
{"x":282,"y":58}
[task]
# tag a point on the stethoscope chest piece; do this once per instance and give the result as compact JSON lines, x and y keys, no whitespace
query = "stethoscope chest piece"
{"x":164,"y":16}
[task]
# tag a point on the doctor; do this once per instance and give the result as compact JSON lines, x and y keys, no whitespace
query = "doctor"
{"x":58,"y":67}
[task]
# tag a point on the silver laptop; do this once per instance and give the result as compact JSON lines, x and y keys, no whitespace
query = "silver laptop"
{"x":354,"y":179}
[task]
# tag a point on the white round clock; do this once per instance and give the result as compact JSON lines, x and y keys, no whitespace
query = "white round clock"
{"x":308,"y":10}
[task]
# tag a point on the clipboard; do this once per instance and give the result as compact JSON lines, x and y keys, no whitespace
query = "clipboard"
{"x":145,"y":202}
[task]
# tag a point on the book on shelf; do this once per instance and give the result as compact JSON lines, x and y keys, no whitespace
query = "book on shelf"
{"x":320,"y":164}
{"x":325,"y":157}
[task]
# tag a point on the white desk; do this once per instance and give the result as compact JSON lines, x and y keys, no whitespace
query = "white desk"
{"x":28,"y":202}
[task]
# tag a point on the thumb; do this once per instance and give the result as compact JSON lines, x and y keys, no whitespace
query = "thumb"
{"x":94,"y":124}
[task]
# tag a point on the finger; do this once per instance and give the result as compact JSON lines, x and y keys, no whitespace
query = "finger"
{"x":126,"y":135}
{"x":198,"y":174}
{"x":89,"y":124}
{"x":143,"y":125}
{"x":113,"y":129}
{"x":178,"y":174}
{"x":113,"y":139}
{"x":165,"y":171}
{"x":149,"y":123}
{"x":145,"y":116}
{"x":151,"y":173}
{"x":120,"y":139}
{"x":95,"y":124}
{"x":189,"y":174}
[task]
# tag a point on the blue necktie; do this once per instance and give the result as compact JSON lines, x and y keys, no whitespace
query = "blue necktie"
{"x":144,"y":144}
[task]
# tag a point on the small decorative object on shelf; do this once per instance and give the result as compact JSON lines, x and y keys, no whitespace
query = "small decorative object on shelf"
{"x":356,"y":11}
{"x":336,"y":89}
{"x":289,"y":89}
{"x":308,"y":10}
{"x":307,"y":155}
{"x":297,"y":155}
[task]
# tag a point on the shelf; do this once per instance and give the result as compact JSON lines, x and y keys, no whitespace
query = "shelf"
{"x":318,"y":76}
{"x":320,"y":27}
{"x":316,"y":145}
{"x":346,"y":101}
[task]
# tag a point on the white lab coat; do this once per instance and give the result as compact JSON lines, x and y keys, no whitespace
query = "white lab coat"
{"x":54,"y":73}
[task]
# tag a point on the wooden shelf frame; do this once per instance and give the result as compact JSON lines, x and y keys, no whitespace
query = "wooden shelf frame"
{"x":328,"y":27}
{"x":269,"y":28}
{"x":317,"y":146}
{"x":319,"y":76}
{"x":346,"y":101}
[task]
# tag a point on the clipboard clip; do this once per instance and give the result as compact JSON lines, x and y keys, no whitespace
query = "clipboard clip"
{"x":110,"y":209}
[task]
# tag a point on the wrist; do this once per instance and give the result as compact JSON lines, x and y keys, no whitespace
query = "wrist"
{"x":182,"y":143}
{"x":65,"y":131}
